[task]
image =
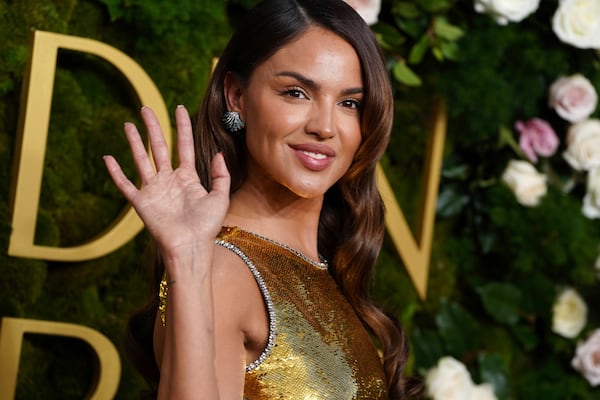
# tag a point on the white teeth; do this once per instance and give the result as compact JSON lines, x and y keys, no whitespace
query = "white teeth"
{"x":317,"y":156}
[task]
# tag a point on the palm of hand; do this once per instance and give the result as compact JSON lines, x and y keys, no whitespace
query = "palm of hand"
{"x":174,"y":206}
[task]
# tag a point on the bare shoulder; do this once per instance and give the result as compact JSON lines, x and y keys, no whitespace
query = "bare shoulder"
{"x":239,"y":305}
{"x":234,"y":286}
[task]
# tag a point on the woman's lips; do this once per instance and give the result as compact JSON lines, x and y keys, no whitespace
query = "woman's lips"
{"x":313,"y":156}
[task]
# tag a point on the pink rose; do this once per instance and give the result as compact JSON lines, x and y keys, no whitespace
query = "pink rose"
{"x":587,"y":358}
{"x":368,"y":9}
{"x":574,"y":98}
{"x":536,"y":138}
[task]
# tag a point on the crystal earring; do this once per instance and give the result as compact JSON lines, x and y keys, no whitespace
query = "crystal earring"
{"x":233,"y":122}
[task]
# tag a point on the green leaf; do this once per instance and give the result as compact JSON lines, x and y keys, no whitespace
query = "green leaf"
{"x":443,"y":29}
{"x":460,"y":172}
{"x":450,"y":50}
{"x":495,"y":372}
{"x":434,"y":6}
{"x":457,"y":328}
{"x":427,"y":347}
{"x":418,"y":50}
{"x":405,"y":9}
{"x":388,"y":36}
{"x":525,"y":335}
{"x":437,"y":53}
{"x":451,"y":200}
{"x":414,"y":27}
{"x":403,"y":74}
{"x":501,"y":301}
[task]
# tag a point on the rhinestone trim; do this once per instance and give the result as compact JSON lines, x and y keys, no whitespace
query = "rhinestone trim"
{"x":267,"y":297}
{"x":322,"y":264}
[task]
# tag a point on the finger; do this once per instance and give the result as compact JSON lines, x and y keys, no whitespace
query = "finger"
{"x":139,"y":152}
{"x":221,"y":179}
{"x":185,"y":138}
{"x":124,"y":185}
{"x":158,"y":145}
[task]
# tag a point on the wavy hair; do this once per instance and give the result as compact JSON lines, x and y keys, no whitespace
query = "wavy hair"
{"x":351,"y":225}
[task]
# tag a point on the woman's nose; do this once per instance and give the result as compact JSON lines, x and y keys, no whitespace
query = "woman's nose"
{"x":321,"y":121}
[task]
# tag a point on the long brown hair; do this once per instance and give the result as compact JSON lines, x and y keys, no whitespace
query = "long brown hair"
{"x":351,"y":226}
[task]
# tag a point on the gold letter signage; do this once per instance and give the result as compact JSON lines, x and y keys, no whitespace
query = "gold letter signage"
{"x":416,"y":253}
{"x":33,"y":132}
{"x":108,"y":372}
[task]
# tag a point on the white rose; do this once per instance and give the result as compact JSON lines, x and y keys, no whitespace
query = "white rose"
{"x":482,"y":392}
{"x":577,"y":22}
{"x":367,"y":9}
{"x":574,"y":98}
{"x":583,"y":145}
{"x":587,"y":358}
{"x":449,"y":380}
{"x":528,"y":185}
{"x":504,"y":11}
{"x":591,"y":201}
{"x":569,"y":314}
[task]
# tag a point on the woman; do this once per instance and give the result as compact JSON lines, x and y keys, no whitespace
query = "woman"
{"x":298,"y":110}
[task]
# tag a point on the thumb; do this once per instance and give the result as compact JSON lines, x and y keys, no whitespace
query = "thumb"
{"x":221,"y":180}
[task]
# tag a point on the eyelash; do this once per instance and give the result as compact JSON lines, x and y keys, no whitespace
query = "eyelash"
{"x":297,"y":92}
{"x":294,"y":92}
{"x":355,"y":104}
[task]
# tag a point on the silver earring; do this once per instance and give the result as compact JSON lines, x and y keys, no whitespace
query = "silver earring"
{"x":233,"y":122}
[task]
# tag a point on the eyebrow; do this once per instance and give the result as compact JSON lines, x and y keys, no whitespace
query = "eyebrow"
{"x":314,"y":85}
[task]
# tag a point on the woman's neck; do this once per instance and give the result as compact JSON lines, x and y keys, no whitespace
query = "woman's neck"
{"x":277,"y":214}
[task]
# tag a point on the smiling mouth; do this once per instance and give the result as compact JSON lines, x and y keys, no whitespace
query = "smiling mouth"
{"x":316,"y":156}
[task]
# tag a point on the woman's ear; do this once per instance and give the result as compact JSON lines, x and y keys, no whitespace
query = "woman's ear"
{"x":232,"y":88}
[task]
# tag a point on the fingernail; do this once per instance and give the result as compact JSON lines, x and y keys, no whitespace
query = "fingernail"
{"x":179,"y":105}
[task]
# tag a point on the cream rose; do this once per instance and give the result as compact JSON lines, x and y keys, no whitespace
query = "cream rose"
{"x":587,"y":358}
{"x":569,"y":314}
{"x":448,"y":380}
{"x":583,"y":145}
{"x":591,"y":201}
{"x":367,"y":9}
{"x":482,"y":392}
{"x":528,"y":185}
{"x":577,"y":22}
{"x":505,"y":11}
{"x":574,"y":98}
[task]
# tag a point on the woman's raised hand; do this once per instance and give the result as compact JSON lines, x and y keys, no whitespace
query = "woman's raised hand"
{"x":174,"y":206}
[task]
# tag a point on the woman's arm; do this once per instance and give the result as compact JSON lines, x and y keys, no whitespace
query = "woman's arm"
{"x":184,"y":219}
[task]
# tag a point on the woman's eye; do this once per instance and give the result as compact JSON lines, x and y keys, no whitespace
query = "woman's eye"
{"x":351,"y":103}
{"x":297,"y":93}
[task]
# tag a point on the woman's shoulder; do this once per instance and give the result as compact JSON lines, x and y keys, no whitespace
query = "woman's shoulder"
{"x":238,"y":302}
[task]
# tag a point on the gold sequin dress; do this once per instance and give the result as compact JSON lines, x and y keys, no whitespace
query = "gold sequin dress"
{"x":317,"y":347}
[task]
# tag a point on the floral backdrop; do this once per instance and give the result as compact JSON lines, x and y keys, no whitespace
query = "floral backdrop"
{"x":510,"y":309}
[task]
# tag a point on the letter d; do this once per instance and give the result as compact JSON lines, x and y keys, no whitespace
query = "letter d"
{"x":31,"y":147}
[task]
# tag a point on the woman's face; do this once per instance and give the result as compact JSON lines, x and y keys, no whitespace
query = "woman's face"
{"x":302,"y":109}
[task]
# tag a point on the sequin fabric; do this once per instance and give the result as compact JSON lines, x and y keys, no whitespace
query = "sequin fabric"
{"x":318,"y":348}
